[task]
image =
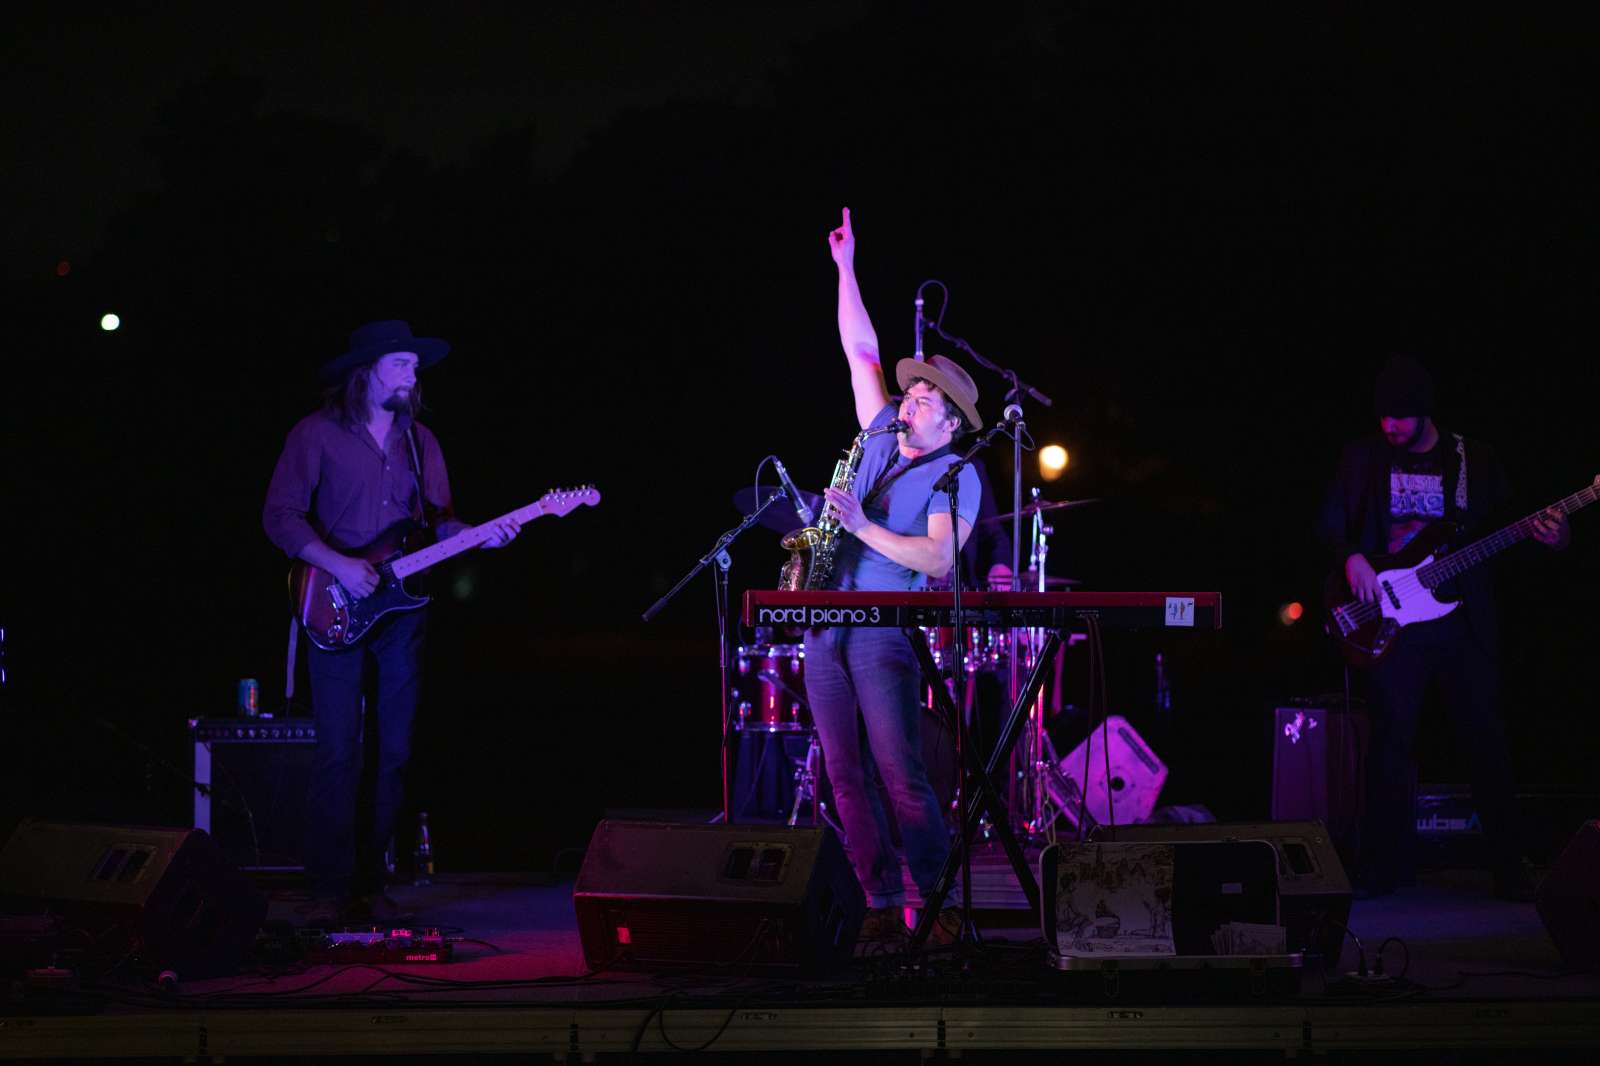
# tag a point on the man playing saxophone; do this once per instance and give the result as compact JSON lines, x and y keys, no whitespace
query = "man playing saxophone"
{"x":863,"y":684}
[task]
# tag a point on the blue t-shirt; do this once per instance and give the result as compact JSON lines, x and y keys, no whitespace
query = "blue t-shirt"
{"x":903,"y":507}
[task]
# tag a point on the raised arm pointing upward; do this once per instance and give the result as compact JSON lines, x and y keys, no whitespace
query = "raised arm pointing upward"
{"x":856,"y":335}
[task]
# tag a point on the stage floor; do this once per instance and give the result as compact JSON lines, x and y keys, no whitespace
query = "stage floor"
{"x":1482,"y":976}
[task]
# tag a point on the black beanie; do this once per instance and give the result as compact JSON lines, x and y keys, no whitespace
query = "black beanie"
{"x":1404,"y":389}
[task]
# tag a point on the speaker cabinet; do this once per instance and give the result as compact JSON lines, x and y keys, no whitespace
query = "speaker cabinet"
{"x":1318,"y":767}
{"x":655,"y":895}
{"x":1313,"y":889}
{"x":1569,"y":900}
{"x":167,"y":894}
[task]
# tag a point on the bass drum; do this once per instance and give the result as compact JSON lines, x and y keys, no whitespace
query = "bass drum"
{"x":769,"y":689}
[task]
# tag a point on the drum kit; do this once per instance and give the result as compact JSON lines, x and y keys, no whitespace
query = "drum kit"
{"x":768,"y":683}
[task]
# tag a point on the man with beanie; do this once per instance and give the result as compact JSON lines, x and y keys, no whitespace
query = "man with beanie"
{"x":1388,"y":487}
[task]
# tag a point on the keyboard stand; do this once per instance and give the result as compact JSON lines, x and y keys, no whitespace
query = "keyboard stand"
{"x":978,"y":793}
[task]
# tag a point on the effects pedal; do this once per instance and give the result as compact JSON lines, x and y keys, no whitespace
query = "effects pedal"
{"x":381,"y":947}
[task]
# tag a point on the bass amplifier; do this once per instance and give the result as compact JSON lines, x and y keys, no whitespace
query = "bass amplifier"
{"x":252,"y":777}
{"x":757,"y":898}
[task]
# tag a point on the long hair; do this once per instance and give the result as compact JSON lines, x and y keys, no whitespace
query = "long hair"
{"x":347,"y":399}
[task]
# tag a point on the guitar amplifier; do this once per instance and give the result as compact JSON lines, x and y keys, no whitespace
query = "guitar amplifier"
{"x":252,"y":776}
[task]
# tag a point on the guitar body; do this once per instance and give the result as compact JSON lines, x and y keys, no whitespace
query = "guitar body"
{"x":1365,"y":632}
{"x":333,"y":618}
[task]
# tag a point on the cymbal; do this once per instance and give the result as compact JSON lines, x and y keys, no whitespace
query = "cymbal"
{"x":780,"y":516}
{"x":1034,"y":508}
{"x":1030,"y":582}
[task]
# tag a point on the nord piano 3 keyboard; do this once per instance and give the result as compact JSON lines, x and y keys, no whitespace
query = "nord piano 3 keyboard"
{"x":1000,"y":610}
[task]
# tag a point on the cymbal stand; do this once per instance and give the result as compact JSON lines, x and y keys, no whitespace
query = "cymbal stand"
{"x":1038,"y":753}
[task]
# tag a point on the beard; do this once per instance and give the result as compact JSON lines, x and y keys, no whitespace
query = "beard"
{"x":399,"y":402}
{"x":1403,"y":443}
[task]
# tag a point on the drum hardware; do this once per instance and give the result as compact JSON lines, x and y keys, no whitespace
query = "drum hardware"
{"x":806,"y":776}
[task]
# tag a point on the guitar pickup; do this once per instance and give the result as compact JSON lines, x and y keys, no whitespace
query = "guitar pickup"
{"x":1389,"y":592}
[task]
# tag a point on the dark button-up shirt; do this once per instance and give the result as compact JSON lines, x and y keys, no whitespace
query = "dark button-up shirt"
{"x":335,"y":483}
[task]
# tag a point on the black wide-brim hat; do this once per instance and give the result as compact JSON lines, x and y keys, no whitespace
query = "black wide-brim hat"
{"x":373,"y":341}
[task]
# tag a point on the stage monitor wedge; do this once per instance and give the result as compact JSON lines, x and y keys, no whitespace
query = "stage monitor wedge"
{"x":740,"y":898}
{"x":1569,"y":900}
{"x":166,"y":896}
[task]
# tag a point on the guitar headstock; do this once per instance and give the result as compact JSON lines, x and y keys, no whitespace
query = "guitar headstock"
{"x":565,"y":501}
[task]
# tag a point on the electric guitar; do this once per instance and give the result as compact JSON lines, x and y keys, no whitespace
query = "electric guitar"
{"x":336,"y":619}
{"x":1409,"y":579}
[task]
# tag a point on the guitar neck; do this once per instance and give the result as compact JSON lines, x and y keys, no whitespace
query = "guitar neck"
{"x":1466,"y":558}
{"x":434,"y":554}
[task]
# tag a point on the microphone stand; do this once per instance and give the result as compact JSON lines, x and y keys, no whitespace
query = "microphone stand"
{"x":719,"y":555}
{"x":1014,"y":397}
{"x":950,"y":483}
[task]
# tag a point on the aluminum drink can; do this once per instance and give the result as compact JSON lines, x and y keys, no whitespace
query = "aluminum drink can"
{"x":249,"y":697}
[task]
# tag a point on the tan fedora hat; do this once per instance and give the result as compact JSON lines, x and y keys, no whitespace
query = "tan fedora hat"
{"x":949,"y":377}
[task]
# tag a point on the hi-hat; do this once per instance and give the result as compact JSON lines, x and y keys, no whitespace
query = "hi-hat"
{"x":780,"y":516}
{"x":1039,"y":505}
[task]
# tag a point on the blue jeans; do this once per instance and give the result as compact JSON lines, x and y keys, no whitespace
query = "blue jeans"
{"x":336,"y":861}
{"x":869,"y":678}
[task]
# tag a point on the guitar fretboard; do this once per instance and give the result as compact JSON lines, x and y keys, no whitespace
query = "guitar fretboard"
{"x":1457,"y":562}
{"x":433,"y":554}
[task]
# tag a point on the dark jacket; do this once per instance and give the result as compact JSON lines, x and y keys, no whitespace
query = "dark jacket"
{"x":1355,"y":514}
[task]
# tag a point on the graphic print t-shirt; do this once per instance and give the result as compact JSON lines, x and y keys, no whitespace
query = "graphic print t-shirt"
{"x":1416,"y":494}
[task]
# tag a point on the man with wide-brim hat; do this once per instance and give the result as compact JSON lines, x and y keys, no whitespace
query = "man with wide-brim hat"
{"x":374,"y":340}
{"x":897,"y":532}
{"x":350,"y":475}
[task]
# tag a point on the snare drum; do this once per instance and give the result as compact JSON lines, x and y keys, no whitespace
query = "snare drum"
{"x":769,"y":690}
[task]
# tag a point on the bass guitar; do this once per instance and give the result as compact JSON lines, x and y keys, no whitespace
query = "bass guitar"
{"x":1409,"y":580}
{"x":335,"y":619}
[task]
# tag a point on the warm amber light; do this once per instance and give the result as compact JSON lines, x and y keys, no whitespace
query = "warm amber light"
{"x":1052,"y":461}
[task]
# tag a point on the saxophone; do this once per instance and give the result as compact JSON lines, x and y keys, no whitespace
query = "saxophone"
{"x":822,"y":539}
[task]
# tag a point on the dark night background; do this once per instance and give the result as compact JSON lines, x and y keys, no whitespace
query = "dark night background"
{"x":1200,"y":228}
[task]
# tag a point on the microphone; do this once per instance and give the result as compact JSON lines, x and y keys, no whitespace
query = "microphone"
{"x":919,"y":329}
{"x":800,"y":508}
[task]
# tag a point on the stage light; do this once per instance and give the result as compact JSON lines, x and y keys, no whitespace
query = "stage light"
{"x":464,"y":587}
{"x":63,"y":268}
{"x":1052,"y":461}
{"x":109,"y":323}
{"x":1290,"y":613}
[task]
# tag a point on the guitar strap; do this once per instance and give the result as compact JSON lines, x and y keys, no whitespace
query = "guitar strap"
{"x":897,"y":469}
{"x":1461,"y":476}
{"x":419,"y":510}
